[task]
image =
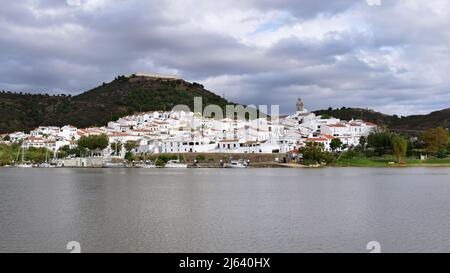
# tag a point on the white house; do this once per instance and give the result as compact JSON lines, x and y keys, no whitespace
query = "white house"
{"x":17,"y":136}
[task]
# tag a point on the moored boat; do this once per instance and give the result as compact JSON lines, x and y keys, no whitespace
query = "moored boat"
{"x":24,"y":165}
{"x":175,"y":164}
{"x":113,"y":165}
{"x":236,"y":164}
{"x":46,"y":165}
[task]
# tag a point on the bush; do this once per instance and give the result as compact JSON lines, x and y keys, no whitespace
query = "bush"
{"x":200,"y":157}
{"x":352,"y":153}
{"x":441,"y":154}
{"x":129,"y":156}
{"x":314,"y":153}
{"x":160,"y":163}
{"x":381,"y":141}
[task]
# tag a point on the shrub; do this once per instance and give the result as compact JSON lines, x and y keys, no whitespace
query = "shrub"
{"x":200,"y":157}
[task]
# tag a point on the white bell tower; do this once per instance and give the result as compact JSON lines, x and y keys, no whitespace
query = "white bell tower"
{"x":300,"y":106}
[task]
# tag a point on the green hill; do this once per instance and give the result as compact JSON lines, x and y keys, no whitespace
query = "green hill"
{"x":411,"y":124}
{"x":127,"y":95}
{"x":123,"y":96}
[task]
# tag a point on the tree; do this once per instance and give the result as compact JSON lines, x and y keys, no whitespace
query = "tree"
{"x":314,"y":152}
{"x":380,"y":140}
{"x":102,"y":142}
{"x":435,"y":139}
{"x":448,"y":146}
{"x":335,"y":144}
{"x":116,"y":147}
{"x":129,"y":156}
{"x":399,"y":147}
{"x":130,"y":145}
{"x":200,"y":157}
{"x":94,"y":142}
{"x":362,"y":143}
{"x":38,"y":155}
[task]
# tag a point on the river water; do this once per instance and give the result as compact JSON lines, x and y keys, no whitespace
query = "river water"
{"x":225,"y":210}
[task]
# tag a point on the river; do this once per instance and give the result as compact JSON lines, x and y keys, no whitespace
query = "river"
{"x":225,"y":210}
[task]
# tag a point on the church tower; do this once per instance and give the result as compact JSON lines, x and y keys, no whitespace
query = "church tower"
{"x":300,"y":105}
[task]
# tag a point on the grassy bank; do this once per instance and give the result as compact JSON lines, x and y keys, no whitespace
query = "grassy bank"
{"x":387,"y":162}
{"x":7,"y":154}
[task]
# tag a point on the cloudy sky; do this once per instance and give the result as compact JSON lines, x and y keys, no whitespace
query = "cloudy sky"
{"x":388,"y":55}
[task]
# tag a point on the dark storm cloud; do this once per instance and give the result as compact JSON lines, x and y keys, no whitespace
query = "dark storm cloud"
{"x":392,"y":57}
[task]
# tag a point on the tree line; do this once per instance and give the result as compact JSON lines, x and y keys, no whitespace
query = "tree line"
{"x":433,"y":142}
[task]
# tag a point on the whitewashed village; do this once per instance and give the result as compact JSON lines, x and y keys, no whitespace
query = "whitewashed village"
{"x":179,"y":132}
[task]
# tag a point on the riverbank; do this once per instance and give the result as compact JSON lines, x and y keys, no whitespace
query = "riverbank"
{"x":216,"y":160}
{"x":390,"y":162}
{"x":275,"y":166}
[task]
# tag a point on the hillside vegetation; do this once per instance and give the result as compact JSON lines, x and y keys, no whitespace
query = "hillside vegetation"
{"x":412,"y":125}
{"x":123,"y":96}
{"x":127,"y":95}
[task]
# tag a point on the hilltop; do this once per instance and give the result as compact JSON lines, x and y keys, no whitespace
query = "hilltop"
{"x":412,"y":125}
{"x":147,"y":92}
{"x":123,"y":96}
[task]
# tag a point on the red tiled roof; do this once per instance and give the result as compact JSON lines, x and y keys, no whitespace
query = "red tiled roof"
{"x":118,"y":135}
{"x":337,"y":125}
{"x":316,"y":139}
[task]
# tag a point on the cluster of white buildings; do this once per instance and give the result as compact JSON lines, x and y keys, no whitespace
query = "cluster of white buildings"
{"x":188,"y":132}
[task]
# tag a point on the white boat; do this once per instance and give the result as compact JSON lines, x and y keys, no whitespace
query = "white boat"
{"x":236,"y":164}
{"x":146,"y":165}
{"x":23,"y":166}
{"x":113,"y":165}
{"x":175,"y":164}
{"x":46,"y":165}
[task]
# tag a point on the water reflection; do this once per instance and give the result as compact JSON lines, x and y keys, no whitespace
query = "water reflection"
{"x":218,"y":210}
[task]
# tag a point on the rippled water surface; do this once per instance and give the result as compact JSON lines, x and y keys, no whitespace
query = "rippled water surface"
{"x":223,"y":210}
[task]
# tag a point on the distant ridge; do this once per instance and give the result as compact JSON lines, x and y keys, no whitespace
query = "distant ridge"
{"x":412,"y":125}
{"x":124,"y":95}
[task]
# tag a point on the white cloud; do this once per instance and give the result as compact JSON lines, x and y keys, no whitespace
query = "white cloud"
{"x":374,"y":2}
{"x":73,"y":2}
